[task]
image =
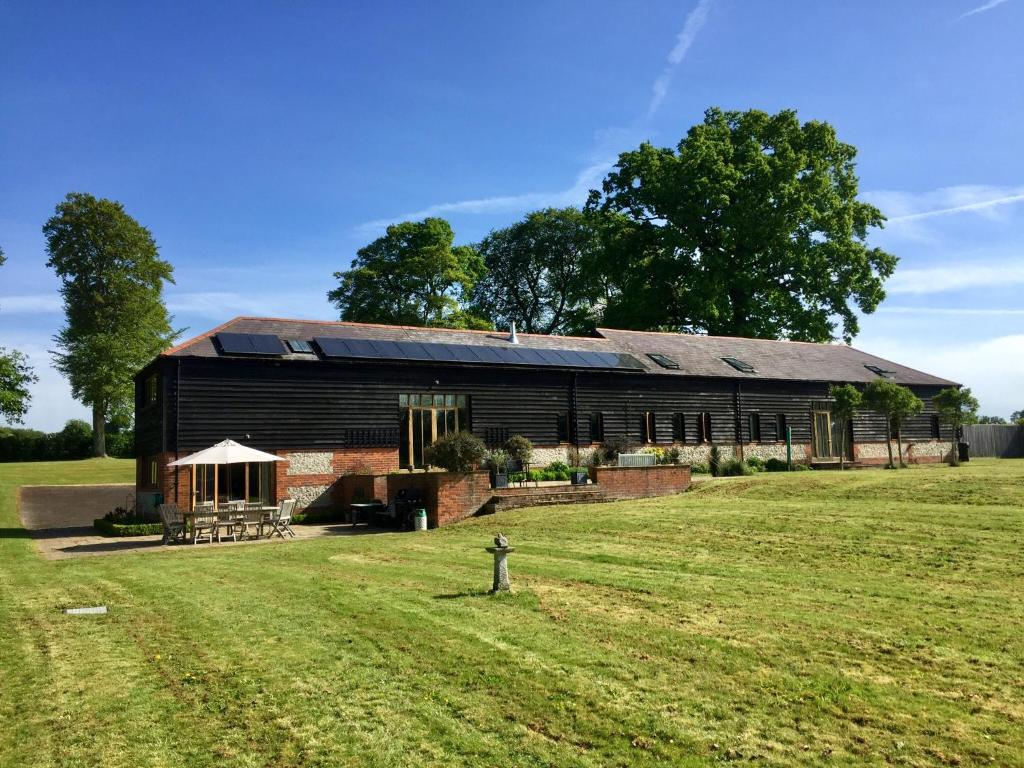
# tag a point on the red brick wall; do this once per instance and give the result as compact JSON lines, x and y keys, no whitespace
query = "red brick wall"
{"x":641,"y":482}
{"x":448,"y":497}
{"x":345,"y":463}
{"x":165,"y":479}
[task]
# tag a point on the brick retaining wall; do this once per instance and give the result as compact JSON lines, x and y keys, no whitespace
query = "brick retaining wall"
{"x":641,"y":482}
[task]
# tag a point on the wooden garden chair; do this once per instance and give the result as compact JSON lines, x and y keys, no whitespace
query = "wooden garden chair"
{"x":173,"y":522}
{"x":280,"y":521}
{"x":204,"y":525}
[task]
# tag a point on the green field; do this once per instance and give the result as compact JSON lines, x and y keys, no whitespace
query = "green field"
{"x":860,"y":618}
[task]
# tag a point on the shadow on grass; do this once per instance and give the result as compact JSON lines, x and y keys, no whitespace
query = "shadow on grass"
{"x":460,"y":595}
{"x":14,"y":533}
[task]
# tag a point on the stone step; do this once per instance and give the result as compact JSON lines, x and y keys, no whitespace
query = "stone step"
{"x":546,"y":490}
{"x":505,"y":502}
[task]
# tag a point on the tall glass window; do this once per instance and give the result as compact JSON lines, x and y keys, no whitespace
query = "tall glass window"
{"x":426,"y":417}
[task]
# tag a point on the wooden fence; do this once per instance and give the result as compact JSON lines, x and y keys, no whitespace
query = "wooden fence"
{"x":1002,"y":440}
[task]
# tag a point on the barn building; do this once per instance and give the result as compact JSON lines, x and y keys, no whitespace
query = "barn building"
{"x":338,"y":399}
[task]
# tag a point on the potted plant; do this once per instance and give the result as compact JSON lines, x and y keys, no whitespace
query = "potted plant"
{"x":497,"y":461}
{"x":578,"y":474}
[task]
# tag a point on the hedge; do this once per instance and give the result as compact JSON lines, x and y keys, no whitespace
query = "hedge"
{"x":108,"y":528}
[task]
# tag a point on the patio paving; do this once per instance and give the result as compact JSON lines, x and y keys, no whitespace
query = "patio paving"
{"x":59,"y":519}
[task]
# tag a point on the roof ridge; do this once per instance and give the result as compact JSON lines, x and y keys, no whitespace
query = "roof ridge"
{"x":712,"y":336}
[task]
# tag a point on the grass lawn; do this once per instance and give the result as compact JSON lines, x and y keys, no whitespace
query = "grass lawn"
{"x":860,"y":618}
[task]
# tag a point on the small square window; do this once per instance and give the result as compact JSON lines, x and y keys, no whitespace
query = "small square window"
{"x":739,"y":365}
{"x":151,"y":389}
{"x":754,"y":422}
{"x":438,"y":399}
{"x":403,"y":401}
{"x":449,"y":400}
{"x":880,"y":371}
{"x":703,"y":427}
{"x":679,"y":428}
{"x":300,"y":346}
{"x":414,"y":399}
{"x":663,"y":360}
{"x":648,"y":433}
{"x":562,"y":427}
{"x":461,"y":401}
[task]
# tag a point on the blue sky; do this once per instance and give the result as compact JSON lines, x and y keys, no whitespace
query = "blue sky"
{"x":263,"y":143}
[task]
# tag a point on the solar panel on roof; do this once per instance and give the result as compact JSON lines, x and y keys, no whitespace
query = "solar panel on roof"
{"x":249,"y":344}
{"x":471,"y":353}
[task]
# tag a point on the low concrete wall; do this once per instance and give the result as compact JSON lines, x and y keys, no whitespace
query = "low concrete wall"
{"x":641,"y":482}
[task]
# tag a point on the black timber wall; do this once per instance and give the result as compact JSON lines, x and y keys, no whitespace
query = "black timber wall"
{"x":281,"y":404}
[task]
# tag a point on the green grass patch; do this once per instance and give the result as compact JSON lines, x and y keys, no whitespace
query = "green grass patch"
{"x":816,"y":618}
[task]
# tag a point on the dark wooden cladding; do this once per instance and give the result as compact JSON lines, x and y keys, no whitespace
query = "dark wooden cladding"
{"x":291,"y":404}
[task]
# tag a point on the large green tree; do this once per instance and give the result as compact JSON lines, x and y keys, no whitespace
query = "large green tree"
{"x":846,"y":399}
{"x":16,"y":376}
{"x":896,"y":403}
{"x":541,"y":273}
{"x":412,"y":275}
{"x":957,"y":406}
{"x":751,"y":226}
{"x":112,"y":281}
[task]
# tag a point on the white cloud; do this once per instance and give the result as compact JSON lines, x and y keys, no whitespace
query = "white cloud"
{"x":587,"y":179}
{"x":940,"y":279}
{"x":694,"y":22}
{"x":980,"y":9}
{"x":993,"y":368}
{"x":982,"y":199}
{"x":952,"y":311}
{"x":223,"y":305}
{"x":31,"y":304}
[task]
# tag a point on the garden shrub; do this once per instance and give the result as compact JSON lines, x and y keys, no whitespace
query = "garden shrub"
{"x":775,"y":465}
{"x":519,"y":448}
{"x":734,"y":468}
{"x":700,"y":469}
{"x":124,"y":522}
{"x":756,"y":463}
{"x":672,"y":455}
{"x":456,"y":452}
{"x":715,"y":461}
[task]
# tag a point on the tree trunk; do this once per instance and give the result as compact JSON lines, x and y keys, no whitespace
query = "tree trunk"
{"x":899,"y":443}
{"x":99,"y":432}
{"x":888,"y":438}
{"x":954,"y":456}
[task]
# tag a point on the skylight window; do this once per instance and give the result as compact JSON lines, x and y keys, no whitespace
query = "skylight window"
{"x":881,"y":371}
{"x":663,"y":361}
{"x":739,"y":365}
{"x":300,"y":346}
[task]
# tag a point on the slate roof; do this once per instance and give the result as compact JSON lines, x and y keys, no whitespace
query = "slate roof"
{"x":699,"y":356}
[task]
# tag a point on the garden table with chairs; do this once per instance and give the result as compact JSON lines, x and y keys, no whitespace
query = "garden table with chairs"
{"x":205,"y":522}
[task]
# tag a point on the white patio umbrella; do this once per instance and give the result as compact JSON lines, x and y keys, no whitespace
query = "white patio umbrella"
{"x":224,"y":452}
